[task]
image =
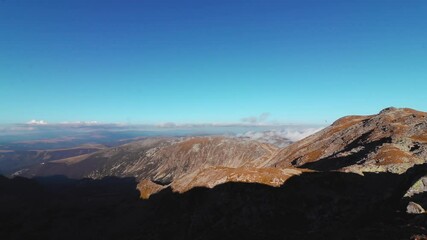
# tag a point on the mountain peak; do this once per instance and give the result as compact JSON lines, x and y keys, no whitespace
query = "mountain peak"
{"x":391,"y":141}
{"x":389,"y":109}
{"x":394,"y":110}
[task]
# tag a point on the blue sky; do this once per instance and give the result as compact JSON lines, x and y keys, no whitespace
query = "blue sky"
{"x":209,"y":61}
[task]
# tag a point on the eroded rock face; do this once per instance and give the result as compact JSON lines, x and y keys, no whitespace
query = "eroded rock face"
{"x":391,"y":141}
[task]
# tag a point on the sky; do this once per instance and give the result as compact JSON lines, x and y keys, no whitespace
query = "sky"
{"x":160,"y":61}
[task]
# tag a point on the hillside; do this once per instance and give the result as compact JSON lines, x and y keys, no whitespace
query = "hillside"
{"x":160,"y":159}
{"x":391,"y":141}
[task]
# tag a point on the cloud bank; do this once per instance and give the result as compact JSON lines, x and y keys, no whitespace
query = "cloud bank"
{"x":289,"y":134}
{"x":37,"y":122}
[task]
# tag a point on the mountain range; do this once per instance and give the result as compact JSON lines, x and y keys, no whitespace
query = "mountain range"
{"x":362,"y":177}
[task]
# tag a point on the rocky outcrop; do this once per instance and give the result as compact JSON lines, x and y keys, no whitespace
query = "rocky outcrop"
{"x":419,"y":187}
{"x":414,"y":208}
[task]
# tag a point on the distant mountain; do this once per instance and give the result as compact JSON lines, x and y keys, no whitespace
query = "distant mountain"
{"x":16,"y":160}
{"x":161,"y":159}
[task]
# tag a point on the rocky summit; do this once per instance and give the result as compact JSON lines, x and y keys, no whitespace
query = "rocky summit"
{"x":363,"y":177}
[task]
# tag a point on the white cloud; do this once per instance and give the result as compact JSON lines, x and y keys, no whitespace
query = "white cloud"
{"x":274,"y":135}
{"x":296,"y":135}
{"x":256,"y":119}
{"x":37,"y":122}
{"x":81,"y":123}
{"x":167,"y":125}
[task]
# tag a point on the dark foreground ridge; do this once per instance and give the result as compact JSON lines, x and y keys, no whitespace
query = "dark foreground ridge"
{"x":317,"y":205}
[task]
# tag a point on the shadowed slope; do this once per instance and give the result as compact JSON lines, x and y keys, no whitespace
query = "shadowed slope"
{"x":329,"y":205}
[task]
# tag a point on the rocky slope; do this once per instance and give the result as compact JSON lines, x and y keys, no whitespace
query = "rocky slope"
{"x":162,"y":160}
{"x":391,"y":141}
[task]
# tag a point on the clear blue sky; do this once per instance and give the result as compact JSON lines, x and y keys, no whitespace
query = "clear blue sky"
{"x":209,"y":61}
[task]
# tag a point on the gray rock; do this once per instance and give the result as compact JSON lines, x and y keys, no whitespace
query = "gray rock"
{"x":414,"y":208}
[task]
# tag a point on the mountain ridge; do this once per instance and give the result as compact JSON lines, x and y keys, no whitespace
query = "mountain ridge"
{"x":393,"y":140}
{"x":363,"y":177}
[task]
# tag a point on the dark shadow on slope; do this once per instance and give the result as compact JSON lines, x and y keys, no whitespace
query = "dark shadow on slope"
{"x":314,"y":205}
{"x":329,"y":205}
{"x":336,"y":161}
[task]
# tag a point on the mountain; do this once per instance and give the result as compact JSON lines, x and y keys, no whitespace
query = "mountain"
{"x":363,"y":177}
{"x":391,"y":141}
{"x":161,"y":159}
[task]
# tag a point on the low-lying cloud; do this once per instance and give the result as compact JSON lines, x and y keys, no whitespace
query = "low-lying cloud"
{"x":296,"y":135}
{"x":290,"y":134}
